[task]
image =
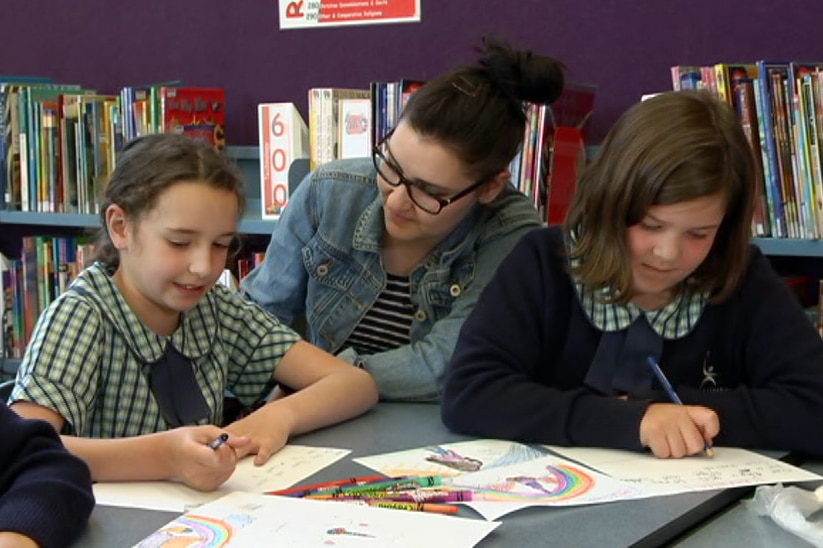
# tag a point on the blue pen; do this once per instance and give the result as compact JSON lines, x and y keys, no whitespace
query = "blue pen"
{"x":667,"y":386}
{"x":218,"y":441}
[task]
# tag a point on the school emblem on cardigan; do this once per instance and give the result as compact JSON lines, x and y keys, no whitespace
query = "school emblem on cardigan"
{"x":709,"y":381}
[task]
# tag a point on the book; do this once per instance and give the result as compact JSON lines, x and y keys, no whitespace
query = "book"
{"x":776,"y":77}
{"x":25,"y":107}
{"x":686,"y":77}
{"x":354,"y":125}
{"x":194,"y":111}
{"x":140,"y":109}
{"x":284,"y":137}
{"x":771,"y":182}
{"x":324,"y":104}
{"x":741,"y":79}
{"x":6,"y":81}
{"x":6,"y":309}
{"x":805,"y":109}
{"x":93,"y":137}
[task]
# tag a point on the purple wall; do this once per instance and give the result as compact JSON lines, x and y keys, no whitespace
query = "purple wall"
{"x":623,"y":46}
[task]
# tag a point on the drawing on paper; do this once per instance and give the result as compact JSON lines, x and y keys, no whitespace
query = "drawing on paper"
{"x":453,"y":459}
{"x":344,"y":531}
{"x":193,"y":531}
{"x":730,"y":467}
{"x":260,"y":520}
{"x":560,"y":483}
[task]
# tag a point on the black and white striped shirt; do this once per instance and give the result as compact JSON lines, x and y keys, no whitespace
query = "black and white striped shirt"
{"x":387,"y":324}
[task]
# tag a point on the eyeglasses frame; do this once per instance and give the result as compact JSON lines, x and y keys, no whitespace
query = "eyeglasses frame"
{"x":377,"y":153}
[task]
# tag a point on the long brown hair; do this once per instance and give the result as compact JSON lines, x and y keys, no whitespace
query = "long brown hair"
{"x":674,"y":147}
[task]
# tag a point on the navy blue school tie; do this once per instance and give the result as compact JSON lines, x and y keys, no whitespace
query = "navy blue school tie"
{"x":619,"y":365}
{"x":176,"y":390}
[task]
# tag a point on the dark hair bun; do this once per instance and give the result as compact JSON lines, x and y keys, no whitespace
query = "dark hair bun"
{"x":521,"y":74}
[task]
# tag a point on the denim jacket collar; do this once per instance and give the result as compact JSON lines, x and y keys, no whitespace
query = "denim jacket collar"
{"x":369,"y":229}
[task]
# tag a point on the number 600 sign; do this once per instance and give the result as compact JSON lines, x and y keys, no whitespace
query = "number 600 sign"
{"x":283,"y":138}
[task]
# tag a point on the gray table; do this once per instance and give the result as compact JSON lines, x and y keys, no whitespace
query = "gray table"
{"x":739,"y":526}
{"x":395,"y":427}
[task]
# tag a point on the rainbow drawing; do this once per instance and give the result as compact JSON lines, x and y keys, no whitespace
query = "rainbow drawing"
{"x":190,"y":531}
{"x":562,"y":482}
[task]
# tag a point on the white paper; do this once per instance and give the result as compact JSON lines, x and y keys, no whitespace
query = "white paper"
{"x":297,"y":14}
{"x":546,"y":481}
{"x":730,"y":467}
{"x":288,"y":466}
{"x":511,"y":476}
{"x":245,"y":519}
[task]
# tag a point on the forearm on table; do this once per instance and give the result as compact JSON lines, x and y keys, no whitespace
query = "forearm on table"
{"x":124,"y":459}
{"x":344,"y":394}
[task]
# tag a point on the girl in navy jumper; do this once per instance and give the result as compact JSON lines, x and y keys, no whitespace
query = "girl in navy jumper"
{"x":654,"y":261}
{"x":45,"y":492}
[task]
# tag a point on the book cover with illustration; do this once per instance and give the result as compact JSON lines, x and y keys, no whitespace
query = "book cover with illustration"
{"x":354,"y":125}
{"x":195,"y":111}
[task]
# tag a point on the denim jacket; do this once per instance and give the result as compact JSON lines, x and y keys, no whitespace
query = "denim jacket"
{"x":324,"y":262}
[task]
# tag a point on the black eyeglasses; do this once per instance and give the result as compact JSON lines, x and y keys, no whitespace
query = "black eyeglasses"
{"x":393,"y":175}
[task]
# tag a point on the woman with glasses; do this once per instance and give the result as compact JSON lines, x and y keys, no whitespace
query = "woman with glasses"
{"x":385,"y":257}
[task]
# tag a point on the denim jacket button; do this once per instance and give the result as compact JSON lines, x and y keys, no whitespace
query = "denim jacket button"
{"x":455,"y":290}
{"x":420,"y":315}
{"x":322,"y":270}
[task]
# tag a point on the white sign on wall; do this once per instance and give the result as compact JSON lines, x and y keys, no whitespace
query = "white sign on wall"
{"x":296,"y":14}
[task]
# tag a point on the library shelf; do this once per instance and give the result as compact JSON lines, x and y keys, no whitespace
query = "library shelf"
{"x":252,"y":223}
{"x":248,"y":161}
{"x":790,"y":247}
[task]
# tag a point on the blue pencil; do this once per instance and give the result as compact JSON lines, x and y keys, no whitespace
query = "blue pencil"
{"x":667,"y":386}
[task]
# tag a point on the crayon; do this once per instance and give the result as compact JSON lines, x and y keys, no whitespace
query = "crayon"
{"x":400,"y":496}
{"x":393,"y":484}
{"x":308,"y":489}
{"x":415,"y":506}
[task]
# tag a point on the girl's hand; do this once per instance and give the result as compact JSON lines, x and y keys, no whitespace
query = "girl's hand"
{"x":15,"y":540}
{"x":677,"y":431}
{"x":267,"y":429}
{"x":198,"y":465}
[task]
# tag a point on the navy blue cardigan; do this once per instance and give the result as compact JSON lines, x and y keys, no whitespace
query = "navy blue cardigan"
{"x":45,"y":492}
{"x":518,"y":369}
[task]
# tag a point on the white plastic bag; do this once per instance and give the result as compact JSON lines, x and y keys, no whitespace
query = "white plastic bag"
{"x":790,"y":507}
